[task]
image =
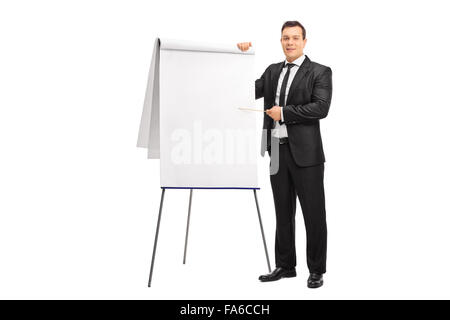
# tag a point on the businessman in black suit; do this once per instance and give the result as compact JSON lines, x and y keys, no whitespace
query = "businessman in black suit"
{"x":297,"y":94}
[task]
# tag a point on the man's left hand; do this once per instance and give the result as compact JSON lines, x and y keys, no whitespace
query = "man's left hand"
{"x":274,"y":113}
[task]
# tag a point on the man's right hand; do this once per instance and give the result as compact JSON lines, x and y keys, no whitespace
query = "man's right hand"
{"x":244,"y":46}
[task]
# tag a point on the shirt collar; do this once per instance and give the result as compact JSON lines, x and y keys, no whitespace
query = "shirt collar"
{"x":298,"y":62}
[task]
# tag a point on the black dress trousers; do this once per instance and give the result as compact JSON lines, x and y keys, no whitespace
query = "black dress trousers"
{"x":306,"y":183}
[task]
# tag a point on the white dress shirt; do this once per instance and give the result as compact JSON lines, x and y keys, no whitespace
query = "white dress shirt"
{"x":280,"y":131}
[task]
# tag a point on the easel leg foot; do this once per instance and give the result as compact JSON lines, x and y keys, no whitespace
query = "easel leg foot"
{"x":156,"y":237}
{"x":262,"y":231}
{"x":187,"y":227}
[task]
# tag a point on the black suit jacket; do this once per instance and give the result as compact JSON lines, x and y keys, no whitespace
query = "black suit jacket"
{"x":308,"y":101}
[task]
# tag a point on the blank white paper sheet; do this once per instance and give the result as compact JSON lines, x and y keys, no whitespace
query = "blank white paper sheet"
{"x":191,"y":120}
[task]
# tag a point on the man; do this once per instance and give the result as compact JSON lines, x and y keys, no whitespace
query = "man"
{"x":297,"y":94}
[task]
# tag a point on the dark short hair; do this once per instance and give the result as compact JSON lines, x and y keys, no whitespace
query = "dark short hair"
{"x":294,"y":24}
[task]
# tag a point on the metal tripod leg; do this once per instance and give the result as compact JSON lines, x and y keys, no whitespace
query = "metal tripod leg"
{"x":262,"y":230}
{"x":187,"y":227}
{"x":156,"y":237}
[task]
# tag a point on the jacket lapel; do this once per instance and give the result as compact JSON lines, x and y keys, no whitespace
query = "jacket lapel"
{"x":275,"y":78}
{"x":301,"y":72}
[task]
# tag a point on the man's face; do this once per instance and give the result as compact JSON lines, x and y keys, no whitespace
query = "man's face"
{"x":292,"y":43}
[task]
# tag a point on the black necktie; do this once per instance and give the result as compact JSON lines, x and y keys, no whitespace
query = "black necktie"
{"x":283,"y":88}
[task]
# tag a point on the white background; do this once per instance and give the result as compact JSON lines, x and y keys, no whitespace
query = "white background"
{"x":79,"y":201}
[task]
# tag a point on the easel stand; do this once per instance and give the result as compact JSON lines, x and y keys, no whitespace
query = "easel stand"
{"x":187,"y":230}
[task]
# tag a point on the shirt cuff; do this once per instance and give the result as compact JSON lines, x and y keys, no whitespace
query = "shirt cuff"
{"x":282,"y":117}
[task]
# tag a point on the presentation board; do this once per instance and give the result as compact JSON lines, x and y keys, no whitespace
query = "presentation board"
{"x":191,"y":121}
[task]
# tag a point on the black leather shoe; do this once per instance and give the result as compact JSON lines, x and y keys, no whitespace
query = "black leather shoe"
{"x":277,"y":274}
{"x":315,"y":280}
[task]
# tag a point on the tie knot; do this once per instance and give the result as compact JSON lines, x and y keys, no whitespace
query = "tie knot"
{"x":290,"y":65}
